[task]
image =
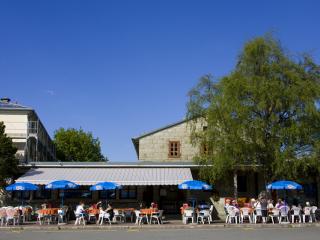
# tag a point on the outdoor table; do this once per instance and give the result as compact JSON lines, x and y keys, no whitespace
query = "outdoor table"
{"x":127,"y":210}
{"x":49,"y":213}
{"x":93,"y":211}
{"x":251,"y":210}
{"x":148,"y":212}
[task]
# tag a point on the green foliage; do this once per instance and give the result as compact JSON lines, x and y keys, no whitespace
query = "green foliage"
{"x":264,"y":113}
{"x":8,"y":161}
{"x":77,"y":145}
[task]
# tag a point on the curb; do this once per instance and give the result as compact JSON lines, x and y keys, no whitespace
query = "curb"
{"x":164,"y":226}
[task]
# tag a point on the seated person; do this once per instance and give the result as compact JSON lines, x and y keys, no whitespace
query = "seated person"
{"x":109,"y":210}
{"x":80,"y":209}
{"x":252,"y":202}
{"x":43,"y":205}
{"x":279,"y":203}
{"x":270,"y":204}
{"x":102,"y":214}
{"x":227,"y":204}
{"x":153,"y":205}
{"x":234,"y":204}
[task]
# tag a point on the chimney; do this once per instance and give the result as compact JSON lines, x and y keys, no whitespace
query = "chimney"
{"x":5,"y":100}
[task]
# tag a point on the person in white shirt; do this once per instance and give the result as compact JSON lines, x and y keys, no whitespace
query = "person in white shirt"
{"x":80,"y":209}
{"x":257,"y":204}
{"x":102,"y":215}
{"x":270,"y":204}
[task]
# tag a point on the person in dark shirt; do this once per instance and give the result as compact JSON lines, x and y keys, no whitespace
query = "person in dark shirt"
{"x":264,"y":207}
{"x":110,"y":211}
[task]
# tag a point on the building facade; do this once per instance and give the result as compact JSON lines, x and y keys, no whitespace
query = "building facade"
{"x":164,"y":161}
{"x":27,"y":132}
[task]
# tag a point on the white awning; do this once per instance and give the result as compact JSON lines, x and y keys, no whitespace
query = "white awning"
{"x":123,"y":176}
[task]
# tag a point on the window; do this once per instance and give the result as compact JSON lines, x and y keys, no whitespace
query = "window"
{"x":108,"y":194}
{"x":242,"y":183}
{"x":42,"y":193}
{"x":174,"y":149}
{"x":83,"y":192}
{"x":20,"y":195}
{"x":128,"y":192}
{"x":204,"y":148}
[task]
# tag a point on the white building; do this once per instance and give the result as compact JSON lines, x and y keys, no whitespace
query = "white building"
{"x":27,"y":132}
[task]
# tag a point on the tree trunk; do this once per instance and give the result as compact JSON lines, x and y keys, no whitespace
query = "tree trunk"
{"x":235,"y":185}
{"x":318,"y":190}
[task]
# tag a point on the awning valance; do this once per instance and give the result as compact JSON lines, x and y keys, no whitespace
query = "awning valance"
{"x":123,"y":176}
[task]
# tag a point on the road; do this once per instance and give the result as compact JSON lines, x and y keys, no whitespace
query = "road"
{"x":304,"y":233}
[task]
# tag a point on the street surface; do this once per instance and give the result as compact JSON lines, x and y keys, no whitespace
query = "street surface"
{"x":304,"y":233}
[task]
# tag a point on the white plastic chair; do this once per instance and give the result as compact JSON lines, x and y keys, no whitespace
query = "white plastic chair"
{"x":3,"y":215}
{"x":140,"y":217}
{"x":79,"y":218}
{"x":105,"y":218}
{"x":188,"y":214}
{"x":157,"y":216}
{"x":232,"y":214}
{"x":245,"y":214}
{"x":296,"y":214}
{"x":258,"y":213}
{"x":204,"y":215}
{"x":275,"y":215}
{"x":284,"y":213}
{"x":313,"y":213}
{"x":118,"y":215}
{"x":61,"y":216}
{"x":12,"y":215}
{"x":92,"y":217}
{"x":307,"y":213}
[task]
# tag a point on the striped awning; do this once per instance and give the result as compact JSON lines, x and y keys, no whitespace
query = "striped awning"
{"x":123,"y":176}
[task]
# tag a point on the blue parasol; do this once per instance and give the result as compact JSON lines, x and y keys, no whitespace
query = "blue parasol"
{"x":284,"y":185}
{"x":104,"y":186}
{"x":61,"y":185}
{"x":194,"y":185}
{"x":22,"y":186}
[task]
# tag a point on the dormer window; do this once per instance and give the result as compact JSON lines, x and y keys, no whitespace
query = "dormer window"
{"x":174,"y":149}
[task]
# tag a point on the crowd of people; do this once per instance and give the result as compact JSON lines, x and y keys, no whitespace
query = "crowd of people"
{"x":267,"y":208}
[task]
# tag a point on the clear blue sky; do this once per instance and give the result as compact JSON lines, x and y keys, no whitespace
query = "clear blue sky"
{"x":121,"y":68}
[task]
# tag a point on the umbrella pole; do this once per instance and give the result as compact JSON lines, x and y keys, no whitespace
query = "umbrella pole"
{"x":106,"y":198}
{"x":62,"y":198}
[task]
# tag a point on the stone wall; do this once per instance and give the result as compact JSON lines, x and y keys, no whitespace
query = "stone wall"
{"x":155,"y":147}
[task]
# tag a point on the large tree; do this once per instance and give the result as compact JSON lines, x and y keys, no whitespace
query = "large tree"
{"x":264,"y":113}
{"x":77,"y":145}
{"x":8,"y":161}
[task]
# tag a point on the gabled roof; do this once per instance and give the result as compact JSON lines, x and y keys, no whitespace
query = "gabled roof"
{"x":135,"y":140}
{"x":13,"y":106}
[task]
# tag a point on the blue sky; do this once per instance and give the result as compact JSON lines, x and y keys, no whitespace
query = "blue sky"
{"x":122,"y":68}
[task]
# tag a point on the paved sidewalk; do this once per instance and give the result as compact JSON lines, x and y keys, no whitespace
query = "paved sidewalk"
{"x":170,"y":225}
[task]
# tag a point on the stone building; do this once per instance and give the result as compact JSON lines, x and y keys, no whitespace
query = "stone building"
{"x":27,"y":132}
{"x":170,"y":143}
